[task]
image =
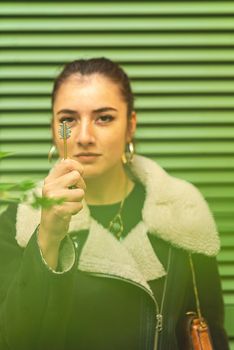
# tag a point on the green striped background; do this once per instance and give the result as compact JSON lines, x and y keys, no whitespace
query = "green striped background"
{"x":180,"y":57}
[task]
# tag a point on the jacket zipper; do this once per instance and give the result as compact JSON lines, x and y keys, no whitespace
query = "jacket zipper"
{"x":158,"y":317}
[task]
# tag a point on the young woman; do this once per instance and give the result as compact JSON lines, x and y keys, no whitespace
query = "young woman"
{"x":108,"y":268}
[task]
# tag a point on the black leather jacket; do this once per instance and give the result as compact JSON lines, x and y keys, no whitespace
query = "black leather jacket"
{"x":42,"y":310}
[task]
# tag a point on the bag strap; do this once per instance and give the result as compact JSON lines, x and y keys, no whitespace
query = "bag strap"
{"x":195,"y":287}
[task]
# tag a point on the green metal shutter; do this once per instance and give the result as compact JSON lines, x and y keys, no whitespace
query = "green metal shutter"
{"x":180,"y":56}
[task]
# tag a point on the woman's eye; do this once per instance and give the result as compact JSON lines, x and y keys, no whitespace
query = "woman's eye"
{"x":68,"y":120}
{"x":104,"y":119}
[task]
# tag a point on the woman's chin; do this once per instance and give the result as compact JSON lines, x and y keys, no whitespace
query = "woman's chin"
{"x":89,"y":172}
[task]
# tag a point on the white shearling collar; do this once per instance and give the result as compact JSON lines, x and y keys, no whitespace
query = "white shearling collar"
{"x":174,"y":210}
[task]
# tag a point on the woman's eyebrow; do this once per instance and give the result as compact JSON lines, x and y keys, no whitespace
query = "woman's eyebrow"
{"x":66,"y":111}
{"x":104,"y":109}
{"x":99,"y":110}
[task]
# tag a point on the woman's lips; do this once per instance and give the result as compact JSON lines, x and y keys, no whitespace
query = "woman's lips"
{"x":87,"y":157}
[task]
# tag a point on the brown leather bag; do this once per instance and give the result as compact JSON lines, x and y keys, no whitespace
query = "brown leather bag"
{"x":198,"y":335}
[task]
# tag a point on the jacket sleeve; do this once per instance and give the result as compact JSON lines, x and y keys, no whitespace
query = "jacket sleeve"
{"x":34,"y":300}
{"x":210,"y":296}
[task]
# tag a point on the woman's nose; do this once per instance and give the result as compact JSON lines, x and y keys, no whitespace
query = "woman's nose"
{"x":85,"y":134}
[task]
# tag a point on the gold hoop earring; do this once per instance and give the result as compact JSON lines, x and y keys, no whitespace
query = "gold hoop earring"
{"x":51,"y":153}
{"x":128,"y":155}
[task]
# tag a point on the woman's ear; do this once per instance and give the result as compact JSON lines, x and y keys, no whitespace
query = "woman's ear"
{"x":132,"y":121}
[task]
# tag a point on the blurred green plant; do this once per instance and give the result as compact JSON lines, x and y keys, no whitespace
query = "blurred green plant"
{"x":23,"y":192}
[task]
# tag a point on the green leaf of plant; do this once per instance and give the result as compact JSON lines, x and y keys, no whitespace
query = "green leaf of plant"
{"x":5,"y":154}
{"x":25,"y":185}
{"x":45,"y":202}
{"x":3,"y":207}
{"x":6,"y":186}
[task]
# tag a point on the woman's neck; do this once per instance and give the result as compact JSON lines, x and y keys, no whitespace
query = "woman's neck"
{"x":108,"y":188}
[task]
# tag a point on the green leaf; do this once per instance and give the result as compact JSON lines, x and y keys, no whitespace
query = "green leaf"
{"x":25,"y":186}
{"x":5,"y":154}
{"x":21,"y":186}
{"x":6,"y":186}
{"x":3,"y":207}
{"x":5,"y":198}
{"x":45,"y":202}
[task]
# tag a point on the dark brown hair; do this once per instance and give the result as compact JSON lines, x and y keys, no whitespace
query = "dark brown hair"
{"x":102,"y":66}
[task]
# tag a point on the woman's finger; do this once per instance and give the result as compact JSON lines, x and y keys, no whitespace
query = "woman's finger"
{"x":68,"y":195}
{"x":64,"y":167}
{"x":70,"y":179}
{"x":73,"y":179}
{"x":64,"y":211}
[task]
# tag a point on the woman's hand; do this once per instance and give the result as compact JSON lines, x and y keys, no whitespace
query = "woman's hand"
{"x":64,"y":181}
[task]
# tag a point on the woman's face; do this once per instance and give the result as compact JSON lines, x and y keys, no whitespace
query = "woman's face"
{"x":97,"y":115}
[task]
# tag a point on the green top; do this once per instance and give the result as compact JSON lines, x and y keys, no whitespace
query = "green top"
{"x":131,"y":212}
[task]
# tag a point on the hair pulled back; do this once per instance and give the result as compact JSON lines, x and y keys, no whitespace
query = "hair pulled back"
{"x":100,"y":65}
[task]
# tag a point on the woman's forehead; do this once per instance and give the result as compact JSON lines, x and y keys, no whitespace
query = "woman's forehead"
{"x":81,"y":81}
{"x":94,"y":90}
